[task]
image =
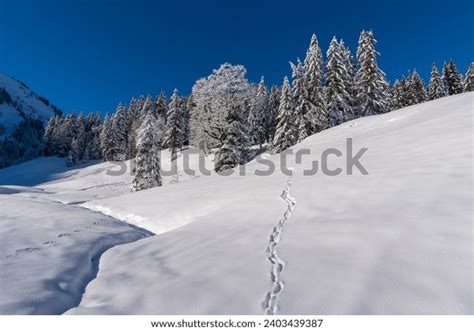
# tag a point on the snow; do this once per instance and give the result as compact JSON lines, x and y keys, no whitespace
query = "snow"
{"x":49,"y":252}
{"x":50,"y":246}
{"x":396,"y":241}
{"x":28,"y":100}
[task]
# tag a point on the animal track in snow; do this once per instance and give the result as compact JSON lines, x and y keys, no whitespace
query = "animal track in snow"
{"x":63,"y":235}
{"x":270,"y":303}
{"x":23,"y":251}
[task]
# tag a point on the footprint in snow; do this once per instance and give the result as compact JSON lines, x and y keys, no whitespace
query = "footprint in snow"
{"x":63,"y":235}
{"x":23,"y":251}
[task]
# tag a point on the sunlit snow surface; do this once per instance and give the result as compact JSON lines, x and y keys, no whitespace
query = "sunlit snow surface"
{"x":396,"y":241}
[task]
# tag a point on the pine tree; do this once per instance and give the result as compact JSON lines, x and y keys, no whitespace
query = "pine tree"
{"x":371,"y":84}
{"x":81,"y":139}
{"x":147,"y":161}
{"x":132,"y":123}
{"x":436,"y":88}
{"x":303,"y":106}
{"x":316,"y":118}
{"x":337,"y":94}
{"x":69,"y":130}
{"x":59,"y":137}
{"x":73,"y":156}
{"x":188,"y":106}
{"x":399,"y":94}
{"x":274,"y":104}
{"x":285,"y":135}
{"x":350,"y":72}
{"x":149,"y":106}
{"x":468,"y":85}
{"x":161,"y":106}
{"x":106,"y":139}
{"x":452,"y":78}
{"x":174,"y":134}
{"x":235,"y":147}
{"x":49,"y":148}
{"x":416,"y":90}
{"x":260,"y":114}
{"x":119,"y":135}
{"x":95,"y":150}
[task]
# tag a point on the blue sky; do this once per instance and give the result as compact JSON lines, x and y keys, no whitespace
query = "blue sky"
{"x":89,"y":55}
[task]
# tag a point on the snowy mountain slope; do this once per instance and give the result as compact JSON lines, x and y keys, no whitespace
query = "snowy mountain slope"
{"x":49,"y":246}
{"x":396,"y":241}
{"x":21,"y":103}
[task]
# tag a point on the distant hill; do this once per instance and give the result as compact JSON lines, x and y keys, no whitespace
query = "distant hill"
{"x":23,"y":115}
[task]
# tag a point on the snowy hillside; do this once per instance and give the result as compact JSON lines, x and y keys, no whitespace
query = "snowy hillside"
{"x":395,"y":241}
{"x":18,"y":102}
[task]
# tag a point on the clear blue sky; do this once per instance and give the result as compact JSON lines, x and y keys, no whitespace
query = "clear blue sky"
{"x":89,"y":55}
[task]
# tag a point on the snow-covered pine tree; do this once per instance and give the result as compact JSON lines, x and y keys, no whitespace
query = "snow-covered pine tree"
{"x":436,"y":88}
{"x":260,"y":114}
{"x":350,"y":72}
{"x":58,"y":137}
{"x":133,"y":122}
{"x":141,"y":103}
{"x":119,"y":135}
{"x":73,"y":156}
{"x":285,"y":135}
{"x":161,"y":106}
{"x":89,"y":120}
{"x":316,"y":119}
{"x":147,"y":161}
{"x":69,"y":130}
{"x":388,"y":92}
{"x":81,"y":139}
{"x":235,"y":148}
{"x":274,"y":104}
{"x":301,"y":102}
{"x":468,"y":85}
{"x":149,"y":107}
{"x":188,"y":105}
{"x":452,"y":78}
{"x":49,"y":148}
{"x":338,"y":99}
{"x":371,"y":84}
{"x":399,"y":94}
{"x":95,"y":150}
{"x":416,"y":90}
{"x":106,"y":139}
{"x":173,"y":138}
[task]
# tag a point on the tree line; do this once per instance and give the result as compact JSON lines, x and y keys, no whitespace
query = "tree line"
{"x":227,"y":113}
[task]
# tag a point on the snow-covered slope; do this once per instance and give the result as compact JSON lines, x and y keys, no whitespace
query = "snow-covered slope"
{"x":50,"y":246}
{"x":21,"y":103}
{"x":396,"y":241}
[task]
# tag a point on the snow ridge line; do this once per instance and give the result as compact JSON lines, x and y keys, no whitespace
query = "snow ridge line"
{"x":270,"y":303}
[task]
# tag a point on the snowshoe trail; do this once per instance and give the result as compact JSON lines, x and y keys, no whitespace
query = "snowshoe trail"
{"x":270,"y":303}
